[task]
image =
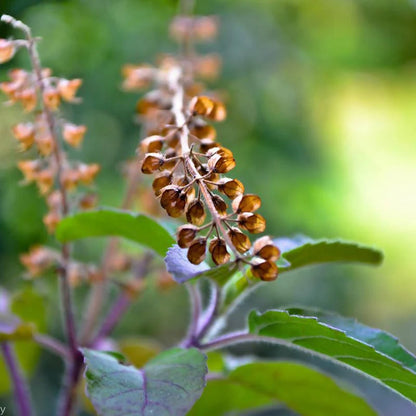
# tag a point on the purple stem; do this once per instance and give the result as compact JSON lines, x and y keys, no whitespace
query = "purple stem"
{"x":196,"y":307}
{"x":211,"y":313}
{"x":21,"y":391}
{"x":53,"y":345}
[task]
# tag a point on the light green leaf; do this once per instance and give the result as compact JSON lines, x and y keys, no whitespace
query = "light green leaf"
{"x":304,"y":252}
{"x":309,"y":334}
{"x":168,"y":385}
{"x":110,"y":222}
{"x":300,"y":388}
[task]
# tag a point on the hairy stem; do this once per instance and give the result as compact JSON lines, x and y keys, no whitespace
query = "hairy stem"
{"x":21,"y":391}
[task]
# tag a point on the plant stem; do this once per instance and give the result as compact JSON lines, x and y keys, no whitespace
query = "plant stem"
{"x":196,"y":307}
{"x":52,"y":344}
{"x":21,"y":391}
{"x":210,"y":314}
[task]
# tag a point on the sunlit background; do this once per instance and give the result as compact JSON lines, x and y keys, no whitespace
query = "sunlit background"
{"x":322,"y":121}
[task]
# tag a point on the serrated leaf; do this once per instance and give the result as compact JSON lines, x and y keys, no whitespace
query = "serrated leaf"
{"x":311,"y":335}
{"x":303,"y":251}
{"x":300,"y":388}
{"x":168,"y":385}
{"x":139,"y":228}
{"x":178,"y":265}
{"x":382,"y":341}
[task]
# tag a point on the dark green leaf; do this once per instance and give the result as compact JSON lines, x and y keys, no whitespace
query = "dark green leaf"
{"x":109,"y":222}
{"x":307,"y":391}
{"x":310,"y":334}
{"x":303,"y":252}
{"x":168,"y":385}
{"x":182,"y":270}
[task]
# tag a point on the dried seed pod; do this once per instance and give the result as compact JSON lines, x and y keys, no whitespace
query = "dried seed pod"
{"x":51,"y":98}
{"x":204,"y":131}
{"x":219,"y":112}
{"x":68,"y":88}
{"x":196,"y":251}
{"x":88,"y":201}
{"x":186,"y":235}
{"x":207,"y":144}
{"x":195,"y":212}
{"x":45,"y":144}
{"x":221,"y":164}
{"x":87,"y":173}
{"x":70,"y":179}
{"x":7,"y":50}
{"x":253,"y":223}
{"x":29,"y":168}
{"x":218,"y":250}
{"x":161,"y":181}
{"x":264,"y":269}
{"x":170,"y":159}
{"x":201,"y":106}
{"x":264,"y":248}
{"x":44,"y":181}
{"x":220,"y":205}
{"x":51,"y":220}
{"x":25,"y":134}
{"x":231,"y":187}
{"x":173,"y":200}
{"x":152,"y":144}
{"x":152,"y":162}
{"x":240,"y":240}
{"x":28,"y":98}
{"x":73,"y":134}
{"x":38,"y":260}
{"x":246,"y":203}
{"x":208,"y":67}
{"x":173,"y":140}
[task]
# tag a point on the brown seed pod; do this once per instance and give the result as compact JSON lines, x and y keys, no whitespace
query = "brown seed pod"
{"x":264,"y":248}
{"x":218,"y":250}
{"x":161,"y":181}
{"x":152,"y":162}
{"x":264,"y":269}
{"x":196,"y":251}
{"x":221,"y":164}
{"x":231,"y":187}
{"x":253,"y":223}
{"x":186,"y":235}
{"x":246,"y":203}
{"x":204,"y":131}
{"x":219,"y":112}
{"x":28,"y":98}
{"x":173,"y":201}
{"x":51,"y":98}
{"x":220,"y":205}
{"x":87,"y":173}
{"x":45,"y":145}
{"x":73,"y":134}
{"x":207,"y":144}
{"x":195,"y":212}
{"x":170,"y":164}
{"x":68,"y":88}
{"x":29,"y":168}
{"x":240,"y":240}
{"x":25,"y":134}
{"x":152,"y":144}
{"x":201,"y":106}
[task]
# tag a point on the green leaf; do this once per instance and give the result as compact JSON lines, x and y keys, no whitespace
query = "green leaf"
{"x":183,"y":270}
{"x":382,"y":341}
{"x":25,"y":315}
{"x":109,"y":222}
{"x":304,"y":251}
{"x":169,"y":384}
{"x":307,"y":333}
{"x":300,"y":388}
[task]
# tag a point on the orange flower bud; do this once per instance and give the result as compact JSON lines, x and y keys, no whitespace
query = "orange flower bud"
{"x":25,"y":134}
{"x":29,"y":168}
{"x":51,"y":98}
{"x":68,"y":88}
{"x":231,"y":187}
{"x":7,"y":50}
{"x":70,"y":179}
{"x":195,"y":212}
{"x":73,"y":134}
{"x":161,"y":181}
{"x":196,"y":251}
{"x":253,"y":223}
{"x":218,"y":250}
{"x":152,"y":144}
{"x":246,"y":203}
{"x":87,"y":173}
{"x":240,"y":241}
{"x":264,"y":269}
{"x":45,"y":145}
{"x":264,"y":248}
{"x":44,"y":181}
{"x":152,"y":162}
{"x":186,"y":235}
{"x":28,"y":98}
{"x":219,"y":205}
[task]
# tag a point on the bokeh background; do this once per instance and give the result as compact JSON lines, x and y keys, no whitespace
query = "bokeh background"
{"x":322,"y":120}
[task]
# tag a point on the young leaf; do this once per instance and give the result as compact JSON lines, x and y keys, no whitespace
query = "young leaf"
{"x":300,"y":388}
{"x":169,"y":384}
{"x":182,"y":270}
{"x":110,"y":222}
{"x":304,"y":251}
{"x":382,"y":341}
{"x":307,"y":333}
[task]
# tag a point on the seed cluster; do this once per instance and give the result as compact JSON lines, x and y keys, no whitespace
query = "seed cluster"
{"x":45,"y":135}
{"x":188,"y":162}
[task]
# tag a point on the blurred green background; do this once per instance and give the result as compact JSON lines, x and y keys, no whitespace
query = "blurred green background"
{"x":322,"y":118}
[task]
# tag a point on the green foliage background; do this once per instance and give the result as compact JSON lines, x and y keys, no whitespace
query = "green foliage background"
{"x":322,"y":104}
